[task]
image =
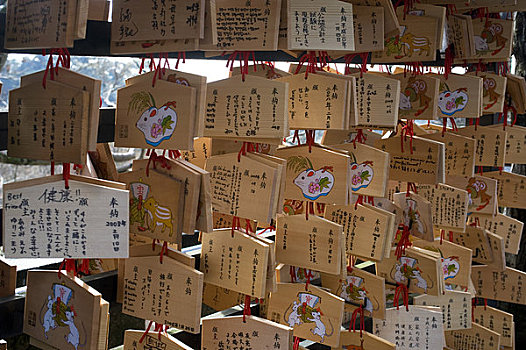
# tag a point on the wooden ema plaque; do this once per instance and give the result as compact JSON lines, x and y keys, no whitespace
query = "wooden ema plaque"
{"x":492,"y":39}
{"x":7,"y":278}
{"x":151,"y":341}
{"x":366,"y":230}
{"x":490,"y":147}
{"x":353,"y":340}
{"x":332,"y":30}
{"x":477,"y":337}
{"x":456,"y":260}
{"x":368,"y":23}
{"x":449,"y":205}
{"x":169,"y":293}
{"x":237,"y":263}
{"x":219,"y":298}
{"x":369,"y":169}
{"x":515,"y":144}
{"x":391,"y":25}
{"x":64,"y":313}
{"x":314,"y":244}
{"x":377,"y":100}
{"x":494,"y":89}
{"x":418,"y":96}
{"x":497,"y":321}
{"x":160,"y":116}
{"x":422,"y":9}
{"x":417,"y":214}
{"x":321,"y":175}
{"x":460,"y":96}
{"x":49,"y":124}
{"x":318,"y":102}
{"x":419,"y":328}
{"x":43,"y":219}
{"x":154,"y":211}
{"x":245,"y":188}
{"x":516,"y":90}
{"x":416,"y":42}
{"x":245,"y":109}
{"x":198,"y":82}
{"x":498,"y":285}
{"x":511,"y":189}
{"x":313,"y":313}
{"x":420,"y":272}
{"x":476,"y":239}
{"x":191,"y":181}
{"x":459,"y":30}
{"x":455,"y":306}
{"x":425,"y":165}
{"x":459,"y":153}
{"x":136,"y":21}
{"x":77,"y":80}
{"x":333,"y":138}
{"x":358,"y":287}
{"x":254,"y":333}
{"x":482,"y":192}
{"x":255,"y":24}
{"x":504,"y":226}
{"x":40,"y":25}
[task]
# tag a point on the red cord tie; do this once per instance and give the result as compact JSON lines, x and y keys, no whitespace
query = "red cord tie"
{"x":84,"y":266}
{"x":180,"y":55}
{"x":244,"y":57}
{"x":308,"y":275}
{"x":362,"y":320}
{"x":401,"y":289}
{"x":63,"y":59}
{"x":69,"y":265}
{"x":349,"y":58}
{"x":314,"y":63}
{"x":66,"y":170}
{"x":360,"y":137}
{"x":246,"y":309}
{"x":296,"y":343}
{"x":504,"y":115}
{"x":154,"y":159}
{"x":236,"y":224}
{"x":359,"y":200}
{"x":407,"y":130}
{"x":310,"y":138}
{"x":309,"y":209}
{"x":403,"y":243}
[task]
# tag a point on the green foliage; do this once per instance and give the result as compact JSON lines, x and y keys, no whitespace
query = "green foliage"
{"x":167,"y":123}
{"x":324,"y":182}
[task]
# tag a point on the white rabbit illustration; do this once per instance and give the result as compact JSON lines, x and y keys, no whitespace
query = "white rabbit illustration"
{"x":294,"y":317}
{"x":314,"y":184}
{"x":405,"y":102}
{"x":480,"y":43}
{"x":49,"y":322}
{"x":73,"y":336}
{"x":320,"y":327}
{"x":399,"y":276}
{"x":421,"y":281}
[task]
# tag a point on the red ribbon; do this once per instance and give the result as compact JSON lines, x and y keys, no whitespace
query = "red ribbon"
{"x":296,"y":343}
{"x":246,"y":309}
{"x":292,"y":272}
{"x":360,"y":137}
{"x":363,"y":65}
{"x":64,"y":59}
{"x":411,"y":187}
{"x":244,"y":57}
{"x":403,"y":243}
{"x":236,"y":224}
{"x":309,"y":209}
{"x":154,"y":159}
{"x":66,"y":169}
{"x":407,"y":130}
{"x":401,"y":289}
{"x":179,"y":56}
{"x":362,"y":320}
{"x":313,"y":64}
{"x":84,"y":266}
{"x":69,"y":265}
{"x":310,"y":138}
{"x":504,"y":115}
{"x":308,"y":275}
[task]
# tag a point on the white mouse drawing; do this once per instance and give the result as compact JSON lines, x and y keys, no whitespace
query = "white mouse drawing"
{"x":294,"y":318}
{"x":314,"y":184}
{"x":320,"y":327}
{"x":421,"y":282}
{"x":157,"y":124}
{"x":73,"y":336}
{"x":49,"y":322}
